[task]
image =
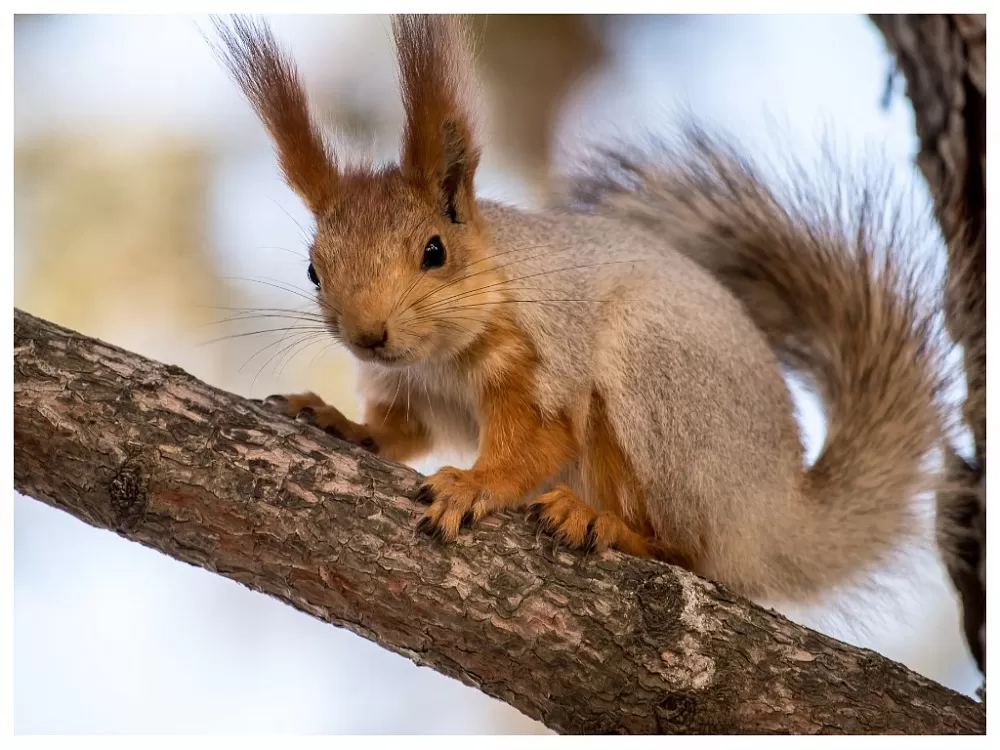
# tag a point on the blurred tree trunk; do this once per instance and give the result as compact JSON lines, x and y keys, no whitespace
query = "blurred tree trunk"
{"x":943,"y":58}
{"x":531,"y":64}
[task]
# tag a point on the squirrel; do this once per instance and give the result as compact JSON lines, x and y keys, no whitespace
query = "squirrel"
{"x":615,"y":360}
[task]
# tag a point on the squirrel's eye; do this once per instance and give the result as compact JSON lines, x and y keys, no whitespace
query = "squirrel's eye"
{"x":434,"y":254}
{"x":312,"y":275}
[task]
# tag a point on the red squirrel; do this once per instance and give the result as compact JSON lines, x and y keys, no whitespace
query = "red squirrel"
{"x":615,"y":360}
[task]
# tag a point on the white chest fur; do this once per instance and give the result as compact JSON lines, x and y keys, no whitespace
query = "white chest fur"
{"x":443,"y":398}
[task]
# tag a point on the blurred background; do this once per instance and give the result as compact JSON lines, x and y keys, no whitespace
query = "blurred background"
{"x":148,"y":208}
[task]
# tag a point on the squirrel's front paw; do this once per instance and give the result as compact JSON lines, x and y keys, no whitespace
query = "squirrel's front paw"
{"x":457,"y":498}
{"x":311,"y":409}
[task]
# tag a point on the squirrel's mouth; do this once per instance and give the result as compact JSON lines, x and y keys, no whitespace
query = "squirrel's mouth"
{"x":379,"y":355}
{"x":388,"y":358}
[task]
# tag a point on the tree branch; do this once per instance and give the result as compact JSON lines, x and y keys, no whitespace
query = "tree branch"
{"x":943,"y":58}
{"x":606,"y":644}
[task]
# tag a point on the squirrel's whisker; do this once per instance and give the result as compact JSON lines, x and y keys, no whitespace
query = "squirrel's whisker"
{"x":491,"y":269}
{"x":261,"y":332}
{"x":501,"y":283}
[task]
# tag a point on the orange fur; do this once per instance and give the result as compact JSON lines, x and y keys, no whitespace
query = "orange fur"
{"x":519,"y":447}
{"x":271,"y":83}
{"x":616,"y":489}
{"x":608,"y":472}
{"x":439,"y":150}
{"x":401,"y":436}
{"x":296,"y":402}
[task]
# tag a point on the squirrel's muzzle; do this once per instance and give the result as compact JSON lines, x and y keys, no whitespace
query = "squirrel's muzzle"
{"x":373,"y":338}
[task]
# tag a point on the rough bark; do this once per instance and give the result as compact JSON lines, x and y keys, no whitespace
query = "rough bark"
{"x":943,"y":58}
{"x":605,"y":644}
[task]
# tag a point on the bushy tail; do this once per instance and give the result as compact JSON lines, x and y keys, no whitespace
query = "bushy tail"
{"x":831,"y":275}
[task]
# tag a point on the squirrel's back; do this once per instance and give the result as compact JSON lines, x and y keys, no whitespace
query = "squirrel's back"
{"x":579,"y":279}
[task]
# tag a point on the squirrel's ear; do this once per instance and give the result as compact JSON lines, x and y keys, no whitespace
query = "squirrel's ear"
{"x":271,"y":84}
{"x":439,"y":152}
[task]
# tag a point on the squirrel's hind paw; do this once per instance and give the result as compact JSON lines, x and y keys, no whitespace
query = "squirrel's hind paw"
{"x":562,"y":513}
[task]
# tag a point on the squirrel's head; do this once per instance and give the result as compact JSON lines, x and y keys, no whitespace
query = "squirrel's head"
{"x":401,"y":260}
{"x":399,"y":277}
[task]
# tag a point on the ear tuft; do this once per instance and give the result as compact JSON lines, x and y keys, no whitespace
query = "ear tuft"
{"x":270,"y":82}
{"x":439,"y":154}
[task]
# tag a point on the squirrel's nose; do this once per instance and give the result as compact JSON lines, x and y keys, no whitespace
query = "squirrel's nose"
{"x":372,"y":339}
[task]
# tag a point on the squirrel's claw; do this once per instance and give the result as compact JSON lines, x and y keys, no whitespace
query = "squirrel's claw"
{"x":564,"y":515}
{"x":456,"y":499}
{"x":307,"y":415}
{"x":308,"y":408}
{"x":276,"y":402}
{"x":425,"y":495}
